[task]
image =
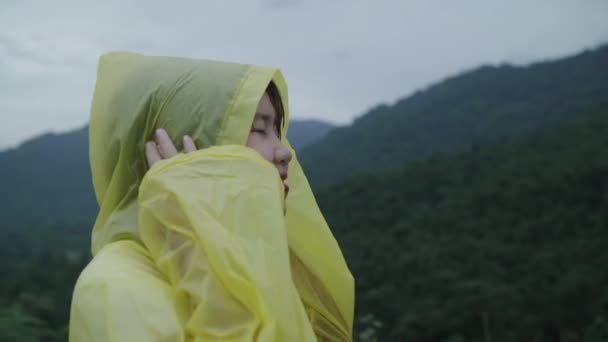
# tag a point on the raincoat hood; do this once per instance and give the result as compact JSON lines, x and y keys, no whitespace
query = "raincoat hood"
{"x":213,"y":102}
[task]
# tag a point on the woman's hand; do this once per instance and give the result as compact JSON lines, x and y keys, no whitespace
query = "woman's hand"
{"x":163,"y":147}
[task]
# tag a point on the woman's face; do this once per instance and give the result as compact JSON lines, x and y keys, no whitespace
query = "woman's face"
{"x":264,"y":138}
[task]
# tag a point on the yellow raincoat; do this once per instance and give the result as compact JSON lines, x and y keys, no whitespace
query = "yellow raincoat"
{"x":197,"y":248}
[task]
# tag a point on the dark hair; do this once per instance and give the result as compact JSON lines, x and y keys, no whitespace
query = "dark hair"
{"x":275,"y":100}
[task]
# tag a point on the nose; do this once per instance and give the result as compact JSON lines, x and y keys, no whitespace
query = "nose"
{"x":282,"y":155}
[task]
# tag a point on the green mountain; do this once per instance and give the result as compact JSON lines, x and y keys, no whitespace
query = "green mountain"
{"x":486,"y":105}
{"x":48,"y":178}
{"x":501,"y":243}
{"x":305,"y":132}
{"x":47,"y":181}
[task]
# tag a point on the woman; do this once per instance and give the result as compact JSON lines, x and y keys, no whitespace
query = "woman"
{"x":203,"y":246}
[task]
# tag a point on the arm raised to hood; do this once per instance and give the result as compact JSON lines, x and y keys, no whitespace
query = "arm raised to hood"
{"x":213,"y":223}
{"x":164,"y":148}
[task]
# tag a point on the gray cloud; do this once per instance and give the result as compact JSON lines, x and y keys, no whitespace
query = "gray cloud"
{"x":279,"y":4}
{"x":339,"y":57}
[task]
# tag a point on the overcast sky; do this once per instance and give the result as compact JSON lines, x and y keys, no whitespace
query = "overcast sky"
{"x":340,"y":57}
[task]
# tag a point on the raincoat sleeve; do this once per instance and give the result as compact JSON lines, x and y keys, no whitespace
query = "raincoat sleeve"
{"x":213,"y":223}
{"x":121,"y":296}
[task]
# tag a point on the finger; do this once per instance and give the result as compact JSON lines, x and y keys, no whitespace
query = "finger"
{"x":152,"y":155}
{"x":189,"y":145}
{"x":165,"y":145}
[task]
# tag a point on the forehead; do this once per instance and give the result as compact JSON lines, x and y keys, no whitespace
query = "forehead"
{"x":265,"y":107}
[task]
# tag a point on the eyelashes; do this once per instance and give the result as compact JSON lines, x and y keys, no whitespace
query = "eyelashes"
{"x":265,"y":131}
{"x":259,"y":131}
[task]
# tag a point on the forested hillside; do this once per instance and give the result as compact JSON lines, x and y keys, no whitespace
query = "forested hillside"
{"x":502,"y":243}
{"x":487,"y":105}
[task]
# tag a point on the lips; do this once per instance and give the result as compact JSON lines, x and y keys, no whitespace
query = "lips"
{"x":285,"y":185}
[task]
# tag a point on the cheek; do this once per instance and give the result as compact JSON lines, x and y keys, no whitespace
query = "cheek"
{"x":261,"y":145}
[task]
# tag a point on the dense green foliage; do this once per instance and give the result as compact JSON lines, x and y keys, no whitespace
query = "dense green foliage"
{"x":503,"y":243}
{"x":39,"y":268}
{"x":489,"y":104}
